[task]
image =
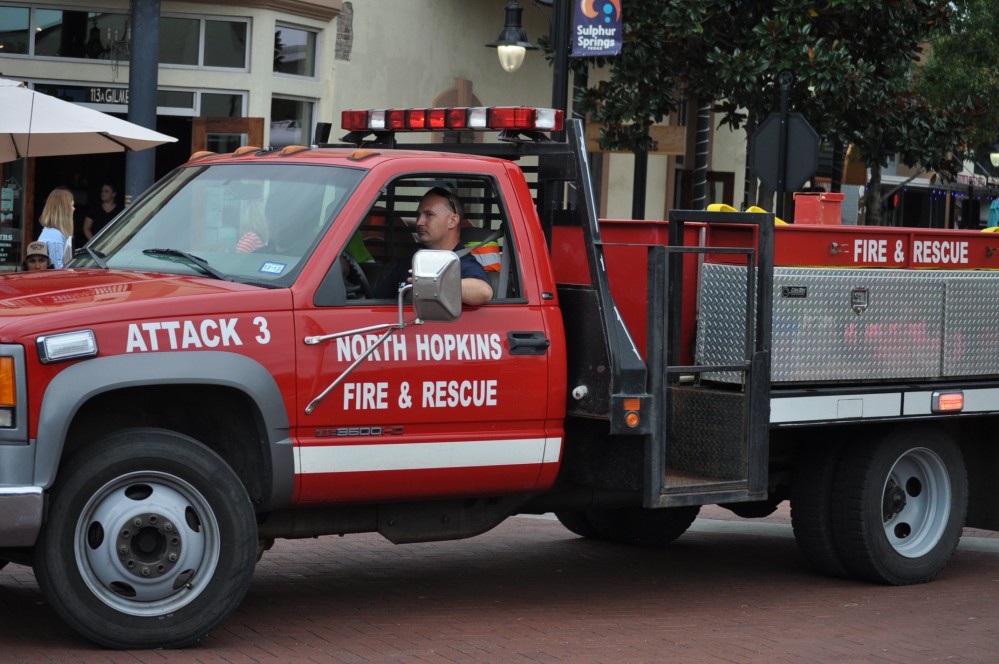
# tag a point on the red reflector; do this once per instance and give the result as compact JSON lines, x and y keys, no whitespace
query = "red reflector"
{"x":395,"y":119}
{"x":457,"y":118}
{"x":948,"y":402}
{"x":416,"y":119}
{"x":437,"y":118}
{"x":354,"y":120}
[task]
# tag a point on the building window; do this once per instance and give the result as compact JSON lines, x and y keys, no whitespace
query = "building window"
{"x":14,"y":35}
{"x":73,"y":34}
{"x":291,"y":122}
{"x":184,"y":41}
{"x":199,"y":42}
{"x":175,"y":99}
{"x":294,"y":51}
{"x":221,"y":105}
{"x":225,"y":44}
{"x":180,"y":41}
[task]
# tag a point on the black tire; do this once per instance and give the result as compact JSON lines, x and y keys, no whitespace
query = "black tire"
{"x":811,"y":508}
{"x":150,"y":541}
{"x":899,"y":506}
{"x":578,"y":523}
{"x":643,"y":527}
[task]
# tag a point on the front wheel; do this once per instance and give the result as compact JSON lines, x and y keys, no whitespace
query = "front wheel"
{"x":578,"y":523}
{"x":150,"y":541}
{"x":641,"y":526}
{"x":899,"y":506}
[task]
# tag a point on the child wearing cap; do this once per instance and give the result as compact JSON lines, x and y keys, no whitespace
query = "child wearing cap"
{"x":36,"y":257}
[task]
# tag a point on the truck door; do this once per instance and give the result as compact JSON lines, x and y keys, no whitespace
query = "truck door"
{"x":440,"y":409}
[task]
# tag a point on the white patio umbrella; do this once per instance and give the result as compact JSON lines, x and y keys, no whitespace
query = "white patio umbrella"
{"x":33,"y":124}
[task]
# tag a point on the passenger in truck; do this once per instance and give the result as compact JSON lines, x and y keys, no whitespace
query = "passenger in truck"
{"x":438,"y":226}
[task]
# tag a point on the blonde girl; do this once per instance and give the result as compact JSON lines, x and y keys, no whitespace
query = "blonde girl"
{"x":57,"y":226}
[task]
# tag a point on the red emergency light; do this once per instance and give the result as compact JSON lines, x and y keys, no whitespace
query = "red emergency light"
{"x":518,"y":118}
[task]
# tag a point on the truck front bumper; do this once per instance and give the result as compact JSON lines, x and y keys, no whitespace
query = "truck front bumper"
{"x":20,"y":515}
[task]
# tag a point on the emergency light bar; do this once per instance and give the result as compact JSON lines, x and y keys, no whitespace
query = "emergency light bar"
{"x":517,"y":118}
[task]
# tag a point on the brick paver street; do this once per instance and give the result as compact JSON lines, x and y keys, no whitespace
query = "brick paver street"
{"x":727,"y":591}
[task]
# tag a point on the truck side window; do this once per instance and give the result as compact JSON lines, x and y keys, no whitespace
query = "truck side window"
{"x":385,"y":240}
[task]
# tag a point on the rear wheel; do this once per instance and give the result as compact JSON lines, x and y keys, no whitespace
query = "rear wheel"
{"x":641,"y":526}
{"x":150,"y":541}
{"x":811,"y":508}
{"x":899,"y":506}
{"x":579,"y":523}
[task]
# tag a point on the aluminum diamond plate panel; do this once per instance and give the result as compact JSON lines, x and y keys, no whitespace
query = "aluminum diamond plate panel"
{"x":916,"y":324}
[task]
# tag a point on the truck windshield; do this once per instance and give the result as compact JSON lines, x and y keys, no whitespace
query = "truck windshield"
{"x":253,"y":223}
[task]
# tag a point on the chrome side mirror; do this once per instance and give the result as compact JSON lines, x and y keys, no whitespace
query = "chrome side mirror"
{"x":436,"y":285}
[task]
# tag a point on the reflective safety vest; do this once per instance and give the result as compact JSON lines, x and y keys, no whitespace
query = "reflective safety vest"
{"x":488,"y":255}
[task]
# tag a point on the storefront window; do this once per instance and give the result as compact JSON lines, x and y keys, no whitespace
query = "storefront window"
{"x":73,"y":34}
{"x":175,"y":99}
{"x":14,"y":30}
{"x":11,"y":214}
{"x":291,"y":122}
{"x":218,"y":105}
{"x":225,"y":44}
{"x":179,"y":40}
{"x":294,"y":51}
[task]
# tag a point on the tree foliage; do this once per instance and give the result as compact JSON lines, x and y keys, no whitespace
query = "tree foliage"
{"x":963,"y":64}
{"x":851,"y":61}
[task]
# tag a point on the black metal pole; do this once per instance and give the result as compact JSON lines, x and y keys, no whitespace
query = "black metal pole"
{"x":784,"y":79}
{"x":560,"y":45}
{"x":140,"y":167}
{"x":641,"y":177}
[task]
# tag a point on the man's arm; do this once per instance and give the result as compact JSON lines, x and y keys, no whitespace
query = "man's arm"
{"x":475,"y":287}
{"x":475,"y":291}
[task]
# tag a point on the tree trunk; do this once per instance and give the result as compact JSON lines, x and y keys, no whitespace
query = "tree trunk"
{"x":875,"y":203}
{"x":837,"y":166}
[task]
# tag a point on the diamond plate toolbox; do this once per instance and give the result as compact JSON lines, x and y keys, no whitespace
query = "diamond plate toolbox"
{"x":857,"y":324}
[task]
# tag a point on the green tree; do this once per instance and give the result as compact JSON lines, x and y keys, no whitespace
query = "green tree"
{"x":850,"y":60}
{"x":963,"y":64}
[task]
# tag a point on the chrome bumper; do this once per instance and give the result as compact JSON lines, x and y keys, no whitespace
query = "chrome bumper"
{"x":20,"y":515}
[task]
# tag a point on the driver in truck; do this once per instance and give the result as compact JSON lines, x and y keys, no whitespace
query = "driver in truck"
{"x":438,"y":226}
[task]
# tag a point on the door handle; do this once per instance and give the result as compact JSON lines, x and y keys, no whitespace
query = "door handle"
{"x":528,"y":343}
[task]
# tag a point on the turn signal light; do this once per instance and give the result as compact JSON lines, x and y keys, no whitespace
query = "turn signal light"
{"x":8,"y":382}
{"x":631,"y":417}
{"x":948,"y":402}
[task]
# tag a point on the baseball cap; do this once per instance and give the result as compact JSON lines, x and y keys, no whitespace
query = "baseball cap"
{"x":37,"y":248}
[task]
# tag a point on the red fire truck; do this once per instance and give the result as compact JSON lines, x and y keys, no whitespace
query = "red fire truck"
{"x":218,"y":369}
